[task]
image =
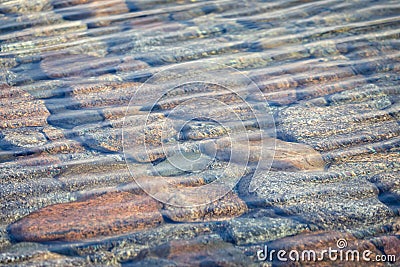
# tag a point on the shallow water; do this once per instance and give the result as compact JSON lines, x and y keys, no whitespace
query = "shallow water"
{"x":196,"y":132}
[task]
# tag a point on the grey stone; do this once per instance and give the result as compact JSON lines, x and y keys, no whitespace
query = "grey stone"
{"x":246,"y":231}
{"x":15,"y":172}
{"x":26,"y":6}
{"x":46,"y":88}
{"x":334,"y":127}
{"x":329,"y":200}
{"x":34,"y":254}
{"x":368,"y":160}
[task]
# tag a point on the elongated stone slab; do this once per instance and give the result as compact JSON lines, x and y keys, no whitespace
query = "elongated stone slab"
{"x":286,"y":156}
{"x":101,"y":11}
{"x":108,"y":214}
{"x":329,"y":200}
{"x":333,"y":127}
{"x":98,"y":173}
{"x":32,"y":254}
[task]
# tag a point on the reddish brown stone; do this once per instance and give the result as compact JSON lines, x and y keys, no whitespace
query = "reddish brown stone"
{"x":296,"y":156}
{"x":108,"y":214}
{"x":19,"y":109}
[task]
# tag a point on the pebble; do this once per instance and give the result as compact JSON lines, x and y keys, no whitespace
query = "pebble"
{"x":387,"y":182}
{"x":31,"y":42}
{"x":276,"y":87}
{"x":108,"y":214}
{"x":394,"y":111}
{"x":369,"y":162}
{"x":100,"y":137}
{"x":149,"y":140}
{"x":43,"y":167}
{"x":146,"y":135}
{"x":44,"y":89}
{"x":69,"y":119}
